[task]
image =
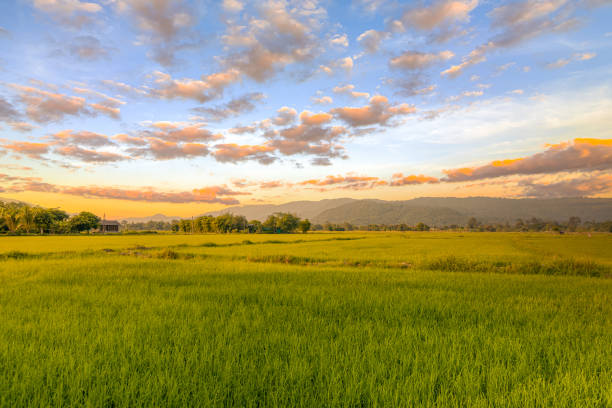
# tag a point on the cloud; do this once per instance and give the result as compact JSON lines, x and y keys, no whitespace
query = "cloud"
{"x":412,"y":86}
{"x":180,"y":132}
{"x":74,"y":13}
{"x":130,"y":140}
{"x":285,"y":116}
{"x":581,"y":154}
{"x":415,"y":60}
{"x":241,"y":130}
{"x":211,"y":195}
{"x":165,"y":25}
{"x":439,"y":13}
{"x":84,"y":138}
{"x":584,"y":186}
{"x":349,"y":90}
{"x":7,"y":111}
{"x":321,"y":161}
{"x":32,"y":150}
{"x":560,"y":63}
{"x":23,"y":127}
{"x":271,"y":184}
{"x":464,"y":94}
{"x":89,"y":156}
{"x":202,"y":90}
{"x":315,"y":119}
{"x":323,"y":100}
{"x":345,"y":64}
{"x":399,"y":179}
{"x":377,"y":112}
{"x":277,"y":37}
{"x":166,"y":150}
{"x":123,"y":88}
{"x":345,"y":182}
{"x":476,"y":56}
{"x":233,"y":153}
{"x":43,"y":106}
{"x":235,"y":107}
{"x":339,"y":40}
{"x":89,"y":48}
{"x":371,"y":40}
{"x":106,"y":105}
{"x":232,"y":6}
{"x":518,"y":22}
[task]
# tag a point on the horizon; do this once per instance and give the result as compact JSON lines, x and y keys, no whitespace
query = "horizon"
{"x":132,"y":108}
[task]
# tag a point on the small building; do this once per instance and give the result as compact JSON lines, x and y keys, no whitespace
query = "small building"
{"x":109,"y":226}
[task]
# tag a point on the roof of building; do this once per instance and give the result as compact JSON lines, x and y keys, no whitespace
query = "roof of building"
{"x":109,"y":222}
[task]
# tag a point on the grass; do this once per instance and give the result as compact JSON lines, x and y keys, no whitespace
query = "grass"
{"x":416,"y":319}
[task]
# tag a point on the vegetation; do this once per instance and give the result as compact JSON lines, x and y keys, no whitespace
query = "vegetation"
{"x":322,"y":319}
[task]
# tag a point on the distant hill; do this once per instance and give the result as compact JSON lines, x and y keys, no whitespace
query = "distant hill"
{"x":364,"y":212}
{"x":446,"y":211}
{"x":303,"y":209}
{"x":156,"y":217}
{"x":433,"y":210}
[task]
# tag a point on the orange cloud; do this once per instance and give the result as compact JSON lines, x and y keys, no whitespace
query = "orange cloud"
{"x":314,"y":119}
{"x":377,"y":112}
{"x":33,"y":150}
{"x":202,"y":90}
{"x":84,"y":138}
{"x":438,"y":13}
{"x":399,"y":179}
{"x":213,"y":194}
{"x":581,"y":154}
{"x":345,"y":182}
{"x":233,"y":153}
{"x":89,"y":156}
{"x":585,"y":186}
{"x":415,"y":60}
{"x":235,"y":107}
{"x":180,"y":132}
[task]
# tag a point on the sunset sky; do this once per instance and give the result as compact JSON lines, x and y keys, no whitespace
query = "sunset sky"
{"x":137,"y":107}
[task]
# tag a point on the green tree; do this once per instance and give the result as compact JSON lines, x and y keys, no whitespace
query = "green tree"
{"x":422,"y":227}
{"x":287,"y":222}
{"x":256,"y":226}
{"x":10,"y":217}
{"x":223,"y":223}
{"x":26,"y":218}
{"x":84,"y":221}
{"x":269,"y":225}
{"x":304,"y":226}
{"x":472,"y":223}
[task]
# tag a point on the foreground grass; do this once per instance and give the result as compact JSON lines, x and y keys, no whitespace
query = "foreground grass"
{"x":122,"y":329}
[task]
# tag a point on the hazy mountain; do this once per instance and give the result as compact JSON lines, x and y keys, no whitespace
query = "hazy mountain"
{"x":446,"y":211}
{"x":433,"y":210}
{"x":304,"y":209}
{"x":364,"y":212}
{"x":156,"y":217}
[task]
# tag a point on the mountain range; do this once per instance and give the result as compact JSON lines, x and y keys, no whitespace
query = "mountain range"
{"x":433,"y":210}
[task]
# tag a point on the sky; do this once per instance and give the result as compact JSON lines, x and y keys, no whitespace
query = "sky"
{"x":138,"y":107}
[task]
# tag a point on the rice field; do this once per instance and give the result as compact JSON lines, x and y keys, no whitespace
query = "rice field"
{"x":320,"y":319}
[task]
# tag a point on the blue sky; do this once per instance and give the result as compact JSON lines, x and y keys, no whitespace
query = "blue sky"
{"x":185,"y":106}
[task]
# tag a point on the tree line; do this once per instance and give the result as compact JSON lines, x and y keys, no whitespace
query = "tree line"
{"x":227,"y":223}
{"x":18,"y":218}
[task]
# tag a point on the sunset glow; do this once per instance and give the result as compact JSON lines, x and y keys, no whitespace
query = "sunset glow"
{"x":137,"y":107}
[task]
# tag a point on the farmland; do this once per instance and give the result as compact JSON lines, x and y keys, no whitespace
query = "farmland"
{"x":319,"y":319}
